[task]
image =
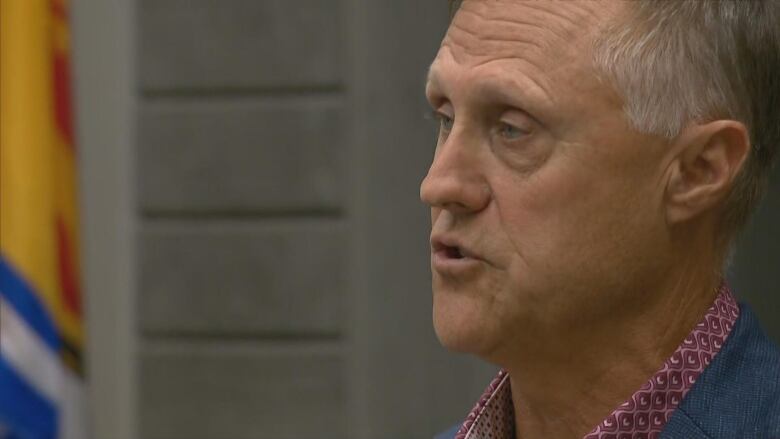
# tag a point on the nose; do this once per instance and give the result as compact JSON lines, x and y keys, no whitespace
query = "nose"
{"x":454,"y":181}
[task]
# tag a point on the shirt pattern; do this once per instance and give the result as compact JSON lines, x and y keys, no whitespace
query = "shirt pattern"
{"x":646,"y":412}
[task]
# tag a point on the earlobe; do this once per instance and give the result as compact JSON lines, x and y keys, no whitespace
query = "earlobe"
{"x":702,"y":174}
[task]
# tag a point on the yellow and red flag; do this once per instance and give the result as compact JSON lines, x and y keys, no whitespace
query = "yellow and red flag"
{"x":41,"y":314}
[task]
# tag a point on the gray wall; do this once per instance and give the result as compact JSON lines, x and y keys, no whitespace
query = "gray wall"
{"x":756,"y":269}
{"x":256,"y":254}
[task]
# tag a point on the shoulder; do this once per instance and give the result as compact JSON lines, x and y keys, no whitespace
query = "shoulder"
{"x":738,"y":394}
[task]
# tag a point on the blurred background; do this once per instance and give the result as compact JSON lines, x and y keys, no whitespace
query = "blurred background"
{"x":254,"y":253}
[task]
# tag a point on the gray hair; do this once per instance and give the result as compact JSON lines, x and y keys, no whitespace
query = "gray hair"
{"x":680,"y":61}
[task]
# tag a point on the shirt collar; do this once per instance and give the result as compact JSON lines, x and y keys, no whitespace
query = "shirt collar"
{"x":647,"y":411}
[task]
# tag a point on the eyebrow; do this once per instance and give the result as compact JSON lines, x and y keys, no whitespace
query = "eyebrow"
{"x":489,"y":88}
{"x":496,"y":91}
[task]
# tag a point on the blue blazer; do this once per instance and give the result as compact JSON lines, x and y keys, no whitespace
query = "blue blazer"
{"x":736,"y":397}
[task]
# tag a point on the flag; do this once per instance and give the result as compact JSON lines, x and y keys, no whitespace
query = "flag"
{"x":41,"y":331}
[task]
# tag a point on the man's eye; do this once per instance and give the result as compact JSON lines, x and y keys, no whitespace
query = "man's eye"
{"x":511,"y":132}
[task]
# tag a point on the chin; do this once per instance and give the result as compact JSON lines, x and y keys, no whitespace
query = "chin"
{"x":461,"y":327}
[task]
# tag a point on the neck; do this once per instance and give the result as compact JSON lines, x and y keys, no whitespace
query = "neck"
{"x":567,"y":390}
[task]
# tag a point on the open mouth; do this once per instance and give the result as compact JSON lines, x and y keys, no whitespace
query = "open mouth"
{"x":451,"y":259}
{"x":452,"y":252}
{"x":449,"y":251}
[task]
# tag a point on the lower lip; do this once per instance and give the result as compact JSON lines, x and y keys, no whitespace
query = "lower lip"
{"x":446,"y":265}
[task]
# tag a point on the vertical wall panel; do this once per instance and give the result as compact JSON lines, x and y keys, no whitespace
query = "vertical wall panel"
{"x":239,"y":44}
{"x":243,"y":279}
{"x":241,"y":392}
{"x":104,"y":98}
{"x":242,"y":155}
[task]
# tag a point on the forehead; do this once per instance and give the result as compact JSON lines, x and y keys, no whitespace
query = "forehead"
{"x":500,"y":25}
{"x":537,"y":41}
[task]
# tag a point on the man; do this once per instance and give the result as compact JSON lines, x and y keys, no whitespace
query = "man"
{"x":595,"y":161}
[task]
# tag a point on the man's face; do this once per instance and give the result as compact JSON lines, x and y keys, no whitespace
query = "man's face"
{"x":546,"y":206}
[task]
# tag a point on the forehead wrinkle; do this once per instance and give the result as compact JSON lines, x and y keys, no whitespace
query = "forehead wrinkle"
{"x":567,"y":20}
{"x":567,"y":15}
{"x":519,"y":33}
{"x":536,"y":42}
{"x":508,"y":43}
{"x":475,"y":42}
{"x":587,"y":16}
{"x":510,"y":23}
{"x":463,"y":43}
{"x":439,"y":79}
{"x":545,"y":90}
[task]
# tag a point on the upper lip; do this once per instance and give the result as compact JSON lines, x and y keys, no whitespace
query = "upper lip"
{"x":440,"y":242}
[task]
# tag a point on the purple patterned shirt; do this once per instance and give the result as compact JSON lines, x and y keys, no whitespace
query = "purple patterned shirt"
{"x":645,"y":413}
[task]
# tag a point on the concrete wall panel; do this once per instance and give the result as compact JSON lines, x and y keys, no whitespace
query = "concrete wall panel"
{"x":241,"y":392}
{"x":238,"y":156}
{"x":277,"y":279}
{"x":238,"y":44}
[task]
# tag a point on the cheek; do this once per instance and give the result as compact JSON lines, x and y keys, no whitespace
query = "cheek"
{"x":565,"y":222}
{"x":543,"y":209}
{"x":597,"y":231}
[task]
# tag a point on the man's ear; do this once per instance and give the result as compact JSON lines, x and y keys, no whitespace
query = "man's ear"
{"x":708,"y":158}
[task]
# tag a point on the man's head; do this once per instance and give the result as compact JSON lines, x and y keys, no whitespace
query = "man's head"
{"x":580,"y":156}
